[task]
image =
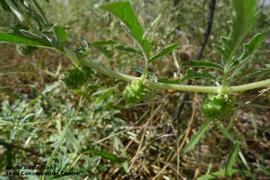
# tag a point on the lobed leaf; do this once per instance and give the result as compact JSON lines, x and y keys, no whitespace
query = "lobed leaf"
{"x":243,"y":18}
{"x":124,"y":11}
{"x":251,"y":46}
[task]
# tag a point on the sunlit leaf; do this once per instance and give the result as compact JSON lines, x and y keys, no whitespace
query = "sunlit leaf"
{"x":243,"y":18}
{"x":61,"y":35}
{"x":15,"y":10}
{"x":19,"y":39}
{"x":251,"y":46}
{"x":124,"y":11}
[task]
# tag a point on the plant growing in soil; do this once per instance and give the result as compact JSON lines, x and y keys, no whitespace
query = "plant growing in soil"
{"x":32,"y":31}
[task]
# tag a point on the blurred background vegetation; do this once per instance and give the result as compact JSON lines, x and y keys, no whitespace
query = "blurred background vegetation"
{"x":92,"y":131}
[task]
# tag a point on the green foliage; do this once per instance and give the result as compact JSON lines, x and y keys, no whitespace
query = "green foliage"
{"x":217,"y":106}
{"x":80,"y":132}
{"x":61,"y":36}
{"x":103,"y":153}
{"x":243,"y":18}
{"x":135,"y":92}
{"x":164,"y":51}
{"x":76,"y":77}
{"x":251,"y":47}
{"x":196,"y":137}
{"x":22,"y":39}
{"x":125,"y":13}
{"x":25,"y":50}
{"x":232,"y":159}
{"x":217,"y":174}
{"x":203,"y":64}
{"x":4,"y":5}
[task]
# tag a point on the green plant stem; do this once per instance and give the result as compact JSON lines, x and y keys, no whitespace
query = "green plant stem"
{"x":158,"y":85}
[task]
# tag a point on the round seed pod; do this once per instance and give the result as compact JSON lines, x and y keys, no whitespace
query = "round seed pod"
{"x":135,"y":91}
{"x":75,"y":78}
{"x":25,"y":50}
{"x":218,"y":106}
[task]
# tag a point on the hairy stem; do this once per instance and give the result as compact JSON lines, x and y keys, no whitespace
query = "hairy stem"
{"x":158,"y":85}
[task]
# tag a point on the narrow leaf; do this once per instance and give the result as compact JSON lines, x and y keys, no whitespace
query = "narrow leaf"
{"x":72,"y":140}
{"x":204,"y":64}
{"x":102,"y":43}
{"x":217,"y":174}
{"x":197,"y":136}
{"x":243,"y":18}
{"x":124,"y":11}
{"x":104,"y":154}
{"x":251,"y":46}
{"x":164,"y":51}
{"x":232,"y":159}
{"x":190,"y":74}
{"x":15,"y":10}
{"x":127,"y":49}
{"x":19,"y":39}
{"x":60,"y":35}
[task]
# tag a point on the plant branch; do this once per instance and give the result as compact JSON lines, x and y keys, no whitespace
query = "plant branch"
{"x":200,"y":51}
{"x":158,"y":85}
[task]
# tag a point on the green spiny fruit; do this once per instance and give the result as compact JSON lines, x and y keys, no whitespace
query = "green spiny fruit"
{"x":135,"y":91}
{"x":75,"y":77}
{"x":217,"y":106}
{"x":25,"y":50}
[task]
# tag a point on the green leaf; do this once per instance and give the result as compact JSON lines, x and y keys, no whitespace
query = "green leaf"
{"x":217,"y":174}
{"x":104,"y":154}
{"x":243,"y":18}
{"x":197,"y":136}
{"x":15,"y":10}
{"x":125,"y":13}
{"x":164,"y":51}
{"x":73,"y":141}
{"x":225,"y":132}
{"x":102,"y":43}
{"x":102,"y":47}
{"x":256,"y":73}
{"x":251,"y":46}
{"x":60,"y":35}
{"x":190,"y":74}
{"x":204,"y":64}
{"x":125,"y":166}
{"x":127,"y":49}
{"x":232,"y":159}
{"x":20,"y":39}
